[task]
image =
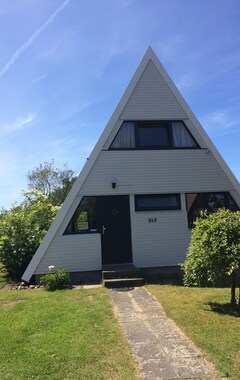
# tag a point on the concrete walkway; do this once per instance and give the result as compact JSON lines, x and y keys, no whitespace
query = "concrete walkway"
{"x":159,"y":346}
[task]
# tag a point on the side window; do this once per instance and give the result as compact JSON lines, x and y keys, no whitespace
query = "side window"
{"x":211,"y":202}
{"x":84,"y":218}
{"x":157,"y":202}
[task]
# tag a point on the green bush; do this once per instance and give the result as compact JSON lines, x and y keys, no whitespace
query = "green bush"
{"x":22,"y":229}
{"x":214,"y":250}
{"x":56,"y":279}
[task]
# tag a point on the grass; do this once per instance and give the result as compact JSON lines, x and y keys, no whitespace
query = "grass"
{"x":206,"y":317}
{"x":68,"y":334}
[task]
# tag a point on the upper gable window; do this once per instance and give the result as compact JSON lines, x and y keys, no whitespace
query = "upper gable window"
{"x":153,"y":135}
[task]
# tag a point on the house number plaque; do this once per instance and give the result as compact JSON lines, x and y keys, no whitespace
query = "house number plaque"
{"x":152,"y":220}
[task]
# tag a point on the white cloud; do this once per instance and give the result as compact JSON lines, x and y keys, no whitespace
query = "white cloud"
{"x":31,"y":39}
{"x":218,"y":122}
{"x":169,"y":47}
{"x":17,"y":124}
{"x":63,"y":142}
{"x":186,"y":81}
{"x":41,"y":77}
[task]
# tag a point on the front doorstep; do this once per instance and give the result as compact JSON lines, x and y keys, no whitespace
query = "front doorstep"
{"x":121,"y":276}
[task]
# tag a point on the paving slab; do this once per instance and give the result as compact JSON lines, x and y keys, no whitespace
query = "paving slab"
{"x":88,"y":286}
{"x":161,"y":349}
{"x":92,"y":286}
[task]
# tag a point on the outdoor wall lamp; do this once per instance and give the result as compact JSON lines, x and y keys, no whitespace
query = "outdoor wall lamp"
{"x":114,"y":183}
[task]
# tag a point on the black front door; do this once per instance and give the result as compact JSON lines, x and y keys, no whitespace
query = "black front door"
{"x":113,"y":221}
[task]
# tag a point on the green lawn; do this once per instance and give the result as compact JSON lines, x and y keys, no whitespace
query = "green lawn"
{"x":206,"y":318}
{"x":69,"y":334}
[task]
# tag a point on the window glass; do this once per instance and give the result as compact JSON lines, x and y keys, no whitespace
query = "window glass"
{"x":125,"y":138}
{"x":151,"y":137}
{"x":157,"y":202}
{"x":82,"y":221}
{"x":230,"y":203}
{"x":211,"y":202}
{"x":84,"y":218}
{"x":214,"y":201}
{"x":181,"y":136}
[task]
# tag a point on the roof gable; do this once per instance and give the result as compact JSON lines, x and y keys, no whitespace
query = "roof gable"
{"x":152,"y":98}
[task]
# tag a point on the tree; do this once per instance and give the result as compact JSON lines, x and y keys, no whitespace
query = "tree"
{"x":51,"y":181}
{"x":22,"y":229}
{"x":2,"y":213}
{"x":214,"y":250}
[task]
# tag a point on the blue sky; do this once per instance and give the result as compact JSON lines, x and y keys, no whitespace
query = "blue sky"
{"x":65,"y":64}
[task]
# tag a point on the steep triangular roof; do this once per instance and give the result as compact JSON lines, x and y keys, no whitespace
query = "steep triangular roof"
{"x":163,"y":95}
{"x":156,"y":98}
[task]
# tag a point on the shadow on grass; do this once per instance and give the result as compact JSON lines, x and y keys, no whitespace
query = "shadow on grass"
{"x":225,"y":309}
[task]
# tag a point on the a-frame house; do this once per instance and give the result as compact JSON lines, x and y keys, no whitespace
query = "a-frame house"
{"x":151,"y":172}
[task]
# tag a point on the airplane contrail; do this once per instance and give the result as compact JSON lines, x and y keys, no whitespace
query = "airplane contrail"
{"x":31,"y":39}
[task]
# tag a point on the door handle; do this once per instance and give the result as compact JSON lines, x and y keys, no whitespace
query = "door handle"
{"x":103,"y":230}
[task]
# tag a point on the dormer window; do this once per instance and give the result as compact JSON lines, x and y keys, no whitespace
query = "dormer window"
{"x":153,"y":135}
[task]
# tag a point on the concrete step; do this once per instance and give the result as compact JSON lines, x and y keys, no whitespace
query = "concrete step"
{"x":124,"y":273}
{"x":123,"y":282}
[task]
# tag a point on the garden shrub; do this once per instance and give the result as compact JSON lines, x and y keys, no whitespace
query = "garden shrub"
{"x":57,"y":279}
{"x":214,"y":250}
{"x":22,"y":229}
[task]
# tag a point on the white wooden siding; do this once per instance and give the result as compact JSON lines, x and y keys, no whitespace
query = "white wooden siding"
{"x":152,"y":98}
{"x":76,"y":253}
{"x":159,"y":244}
{"x":158,"y":171}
